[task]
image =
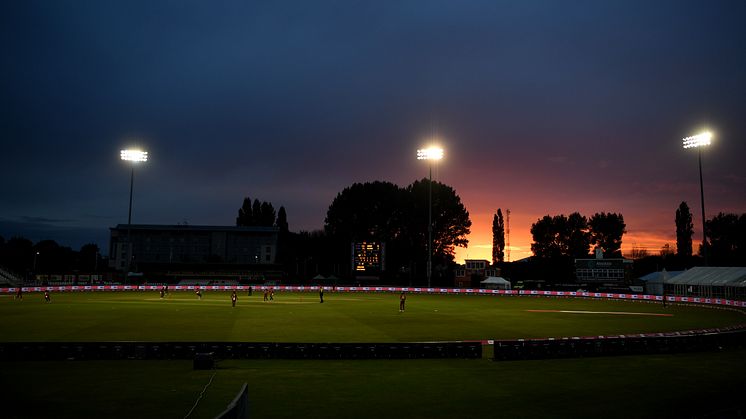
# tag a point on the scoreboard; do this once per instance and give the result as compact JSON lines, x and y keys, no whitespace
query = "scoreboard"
{"x":368,"y":258}
{"x":603,"y":270}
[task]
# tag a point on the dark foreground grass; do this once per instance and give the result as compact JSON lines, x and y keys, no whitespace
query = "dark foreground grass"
{"x":659,"y":386}
{"x":299,"y":317}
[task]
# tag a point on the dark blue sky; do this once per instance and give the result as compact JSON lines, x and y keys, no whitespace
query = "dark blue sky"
{"x":543,"y":107}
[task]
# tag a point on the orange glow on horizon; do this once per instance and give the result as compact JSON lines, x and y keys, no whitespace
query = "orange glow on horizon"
{"x":480,"y":242}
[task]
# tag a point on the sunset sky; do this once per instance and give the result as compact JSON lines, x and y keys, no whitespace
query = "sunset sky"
{"x":542,"y":107}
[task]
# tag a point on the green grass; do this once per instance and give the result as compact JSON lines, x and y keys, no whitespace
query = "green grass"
{"x":683,"y":385}
{"x":656,"y":386}
{"x":299,"y":317}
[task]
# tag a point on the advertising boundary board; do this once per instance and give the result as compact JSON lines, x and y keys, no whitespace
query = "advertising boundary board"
{"x":20,"y":351}
{"x":414,"y":290}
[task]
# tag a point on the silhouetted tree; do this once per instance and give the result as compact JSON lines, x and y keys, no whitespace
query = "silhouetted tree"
{"x":266,"y":215}
{"x":371,"y":211}
{"x":639,"y":253}
{"x":726,"y":234}
{"x":366,"y":211}
{"x":384,"y":212}
{"x":451,"y":223}
{"x":256,"y":214}
{"x":88,"y":258}
{"x":666,"y":251}
{"x":256,"y":209}
{"x":498,"y":237}
{"x":684,"y":230}
{"x":578,"y":236}
{"x":245,"y":214}
{"x":282,"y":220}
{"x":17,"y":254}
{"x":549,"y":237}
{"x":561,"y":236}
{"x":607,"y":230}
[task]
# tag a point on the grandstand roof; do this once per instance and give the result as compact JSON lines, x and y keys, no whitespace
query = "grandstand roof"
{"x":185,"y":227}
{"x":660,"y":275}
{"x":717,"y":276}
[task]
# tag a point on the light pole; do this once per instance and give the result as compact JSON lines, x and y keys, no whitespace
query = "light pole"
{"x":698,"y":141}
{"x":134,"y":156}
{"x":431,"y":153}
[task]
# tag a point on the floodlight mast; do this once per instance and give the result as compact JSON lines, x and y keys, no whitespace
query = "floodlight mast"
{"x":431,"y":153}
{"x":698,"y":141}
{"x":134,"y":156}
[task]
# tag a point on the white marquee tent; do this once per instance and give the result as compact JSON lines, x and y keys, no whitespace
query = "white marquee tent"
{"x":496,"y":283}
{"x":710,"y":282}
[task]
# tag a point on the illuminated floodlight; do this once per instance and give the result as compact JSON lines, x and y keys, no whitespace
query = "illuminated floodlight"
{"x":698,"y":140}
{"x":432,"y":153}
{"x":134,"y":155}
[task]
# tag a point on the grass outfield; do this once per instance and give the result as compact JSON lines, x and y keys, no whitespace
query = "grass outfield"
{"x":343,"y":317}
{"x":655,"y":386}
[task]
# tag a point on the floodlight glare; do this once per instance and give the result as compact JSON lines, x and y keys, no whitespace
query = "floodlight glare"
{"x":432,"y":153}
{"x":134,"y":155}
{"x":698,"y":140}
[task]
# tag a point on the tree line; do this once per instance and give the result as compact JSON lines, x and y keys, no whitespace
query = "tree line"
{"x":573,"y":235}
{"x":385,"y":212}
{"x":566,"y":236}
{"x":725,"y":233}
{"x":22,"y":256}
{"x":372,"y":212}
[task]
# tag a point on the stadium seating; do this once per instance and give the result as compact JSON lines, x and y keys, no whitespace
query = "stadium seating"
{"x":8,"y":279}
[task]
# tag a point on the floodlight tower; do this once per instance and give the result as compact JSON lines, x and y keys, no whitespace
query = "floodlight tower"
{"x":431,"y":153}
{"x":698,"y":141}
{"x":134,"y":156}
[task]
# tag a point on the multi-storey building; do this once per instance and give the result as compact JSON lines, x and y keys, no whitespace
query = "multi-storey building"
{"x":159,"y":245}
{"x":481,"y":268}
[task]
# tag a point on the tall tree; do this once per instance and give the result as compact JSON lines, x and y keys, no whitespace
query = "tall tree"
{"x":726,"y":234}
{"x":256,"y":210}
{"x":550,"y":237}
{"x":245,"y":214}
{"x":451,"y":223}
{"x":17,"y":254}
{"x":382,"y":211}
{"x":266,"y":215}
{"x":88,"y":258}
{"x":367,"y":211}
{"x":498,"y":237}
{"x":282,"y":220}
{"x":578,"y":235}
{"x":561,"y":235}
{"x":606,"y":231}
{"x":371,"y":211}
{"x":684,"y":230}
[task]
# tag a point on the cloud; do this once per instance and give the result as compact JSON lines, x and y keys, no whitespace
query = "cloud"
{"x":43,"y":220}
